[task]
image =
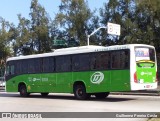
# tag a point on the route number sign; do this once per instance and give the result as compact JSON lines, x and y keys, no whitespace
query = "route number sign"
{"x":114,"y":29}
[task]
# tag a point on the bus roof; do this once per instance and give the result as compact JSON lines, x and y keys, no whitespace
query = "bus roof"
{"x":76,"y":50}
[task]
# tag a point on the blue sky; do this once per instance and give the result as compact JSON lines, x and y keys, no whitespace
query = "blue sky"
{"x":10,"y":8}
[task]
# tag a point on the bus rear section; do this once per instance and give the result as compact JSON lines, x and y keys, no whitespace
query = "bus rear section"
{"x":145,"y":72}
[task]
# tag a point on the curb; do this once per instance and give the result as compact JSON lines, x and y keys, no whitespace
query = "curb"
{"x":153,"y":92}
{"x":143,"y":93}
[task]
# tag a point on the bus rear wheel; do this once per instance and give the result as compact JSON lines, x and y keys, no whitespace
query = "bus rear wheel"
{"x":80,"y":92}
{"x":102,"y":95}
{"x":23,"y":91}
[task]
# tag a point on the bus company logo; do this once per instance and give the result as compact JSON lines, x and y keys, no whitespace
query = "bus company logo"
{"x":36,"y":79}
{"x":97,"y":77}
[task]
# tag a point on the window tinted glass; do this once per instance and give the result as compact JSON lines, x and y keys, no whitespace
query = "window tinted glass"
{"x":38,"y":65}
{"x":18,"y":67}
{"x":7,"y":70}
{"x":152,"y":54}
{"x":48,"y":64}
{"x":120,"y":59}
{"x":10,"y":68}
{"x":100,"y":61}
{"x":80,"y":62}
{"x":31,"y":68}
{"x":63,"y":63}
{"x":34,"y":65}
{"x":24,"y":66}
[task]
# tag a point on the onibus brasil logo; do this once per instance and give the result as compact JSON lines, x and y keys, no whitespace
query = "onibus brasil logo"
{"x":97,"y":77}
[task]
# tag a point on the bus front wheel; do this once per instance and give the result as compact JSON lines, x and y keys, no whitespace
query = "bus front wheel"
{"x":23,"y":91}
{"x":102,"y":95}
{"x":80,"y":92}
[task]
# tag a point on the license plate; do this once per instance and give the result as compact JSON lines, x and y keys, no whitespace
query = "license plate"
{"x":147,"y":86}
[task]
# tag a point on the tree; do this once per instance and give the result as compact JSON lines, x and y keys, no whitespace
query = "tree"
{"x":119,"y":12}
{"x":22,"y":45}
{"x":5,"y":39}
{"x":74,"y":16}
{"x":39,"y":28}
{"x":148,"y":14}
{"x":32,"y":36}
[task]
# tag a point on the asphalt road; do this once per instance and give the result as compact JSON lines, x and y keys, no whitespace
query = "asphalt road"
{"x":12,"y":102}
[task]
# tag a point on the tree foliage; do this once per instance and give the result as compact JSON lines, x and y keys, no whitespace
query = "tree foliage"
{"x":39,"y":27}
{"x":139,"y":20}
{"x":6,"y":36}
{"x":148,"y":21}
{"x":21,"y":43}
{"x":74,"y":16}
{"x":32,"y":36}
{"x":120,"y":12}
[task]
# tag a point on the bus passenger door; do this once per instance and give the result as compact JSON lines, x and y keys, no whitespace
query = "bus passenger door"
{"x":48,"y":75}
{"x":63,"y":74}
{"x":34,"y":76}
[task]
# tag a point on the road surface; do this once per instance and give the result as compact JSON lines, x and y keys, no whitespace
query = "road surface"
{"x":12,"y":102}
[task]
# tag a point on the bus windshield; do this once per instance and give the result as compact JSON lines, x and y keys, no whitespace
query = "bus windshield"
{"x":143,"y":53}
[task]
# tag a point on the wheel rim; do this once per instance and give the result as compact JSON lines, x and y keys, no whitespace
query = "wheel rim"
{"x":79,"y":92}
{"x":22,"y":91}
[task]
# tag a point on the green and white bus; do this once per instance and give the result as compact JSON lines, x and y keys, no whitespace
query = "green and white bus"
{"x":84,"y":71}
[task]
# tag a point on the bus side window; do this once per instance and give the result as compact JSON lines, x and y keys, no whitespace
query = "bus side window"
{"x":115,"y":60}
{"x":12,"y":70}
{"x":63,"y":63}
{"x":120,"y":59}
{"x":105,"y":60}
{"x":126,"y":59}
{"x":93,"y":61}
{"x":100,"y":61}
{"x":31,"y":68}
{"x":80,"y":62}
{"x":51,"y":64}
{"x":48,"y":64}
{"x":24,"y":66}
{"x":7,"y":70}
{"x":18,"y":67}
{"x":37,"y":65}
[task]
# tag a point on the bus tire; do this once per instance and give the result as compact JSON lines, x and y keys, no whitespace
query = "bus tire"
{"x":44,"y":94}
{"x":23,"y":91}
{"x":102,"y":95}
{"x":80,"y":92}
